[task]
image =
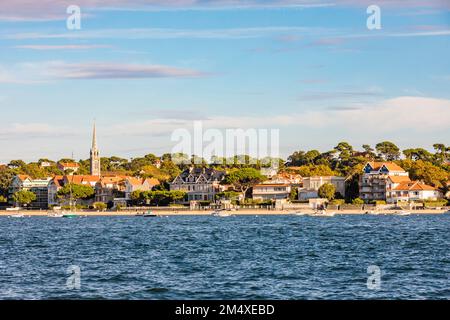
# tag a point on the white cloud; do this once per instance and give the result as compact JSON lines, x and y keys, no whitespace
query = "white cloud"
{"x":37,"y":72}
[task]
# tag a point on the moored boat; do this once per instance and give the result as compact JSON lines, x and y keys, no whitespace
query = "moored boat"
{"x":403,"y":213}
{"x":148,"y":214}
{"x":323,"y":213}
{"x":220,"y":213}
{"x":19,"y":215}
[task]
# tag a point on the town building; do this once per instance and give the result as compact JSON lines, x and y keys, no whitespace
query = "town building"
{"x":271,"y":191}
{"x":38,"y":186}
{"x":138,"y":184}
{"x":374,"y":179}
{"x":68,"y":167}
{"x":410,"y":191}
{"x":200,"y":184}
{"x":107,"y":189}
{"x":311,"y":186}
{"x":58,"y":182}
{"x":387,"y":181}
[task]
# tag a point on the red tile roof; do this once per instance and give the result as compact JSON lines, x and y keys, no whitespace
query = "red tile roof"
{"x":391,"y":166}
{"x":414,"y":186}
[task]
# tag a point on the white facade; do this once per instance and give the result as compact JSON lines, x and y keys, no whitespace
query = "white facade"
{"x":311,"y":186}
{"x":271,"y":191}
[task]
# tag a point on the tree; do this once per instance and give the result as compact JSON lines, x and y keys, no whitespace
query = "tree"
{"x":388,"y":151}
{"x":3,"y":199}
{"x":23,"y":197}
{"x":6,"y":178}
{"x":327,"y":191}
{"x":369,"y":151}
{"x":316,"y":170}
{"x":77,"y":192}
{"x":426,"y":171}
{"x":243,"y":179}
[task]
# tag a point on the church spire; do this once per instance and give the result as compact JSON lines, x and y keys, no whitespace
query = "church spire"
{"x":95,"y":156}
{"x":94,"y":138}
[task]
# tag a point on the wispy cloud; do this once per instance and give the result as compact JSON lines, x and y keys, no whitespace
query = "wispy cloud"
{"x":168,"y":33}
{"x":63,"y":47}
{"x":25,"y":10}
{"x":57,"y":70}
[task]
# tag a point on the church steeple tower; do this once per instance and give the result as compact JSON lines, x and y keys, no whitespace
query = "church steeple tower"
{"x":95,"y":156}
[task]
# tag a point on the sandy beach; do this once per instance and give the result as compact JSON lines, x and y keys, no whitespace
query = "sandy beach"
{"x":159,"y":212}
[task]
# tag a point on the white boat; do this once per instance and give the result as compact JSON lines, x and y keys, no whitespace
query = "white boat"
{"x":322,"y":213}
{"x":298,"y":213}
{"x":55,"y":215}
{"x":403,"y":213}
{"x":220,"y":213}
{"x":17,"y":216}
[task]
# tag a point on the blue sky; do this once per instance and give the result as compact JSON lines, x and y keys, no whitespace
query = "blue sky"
{"x":143,"y":68}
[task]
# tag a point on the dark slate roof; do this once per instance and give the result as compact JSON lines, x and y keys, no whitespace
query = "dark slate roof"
{"x":209,"y":173}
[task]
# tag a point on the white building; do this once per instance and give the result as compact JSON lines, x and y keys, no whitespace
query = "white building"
{"x":38,"y":186}
{"x":410,"y":191}
{"x":311,"y":186}
{"x":271,"y":191}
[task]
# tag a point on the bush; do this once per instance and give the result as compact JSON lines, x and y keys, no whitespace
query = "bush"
{"x":100,"y":206}
{"x":435,"y":203}
{"x":358,"y":201}
{"x":337,"y":202}
{"x":378,"y":202}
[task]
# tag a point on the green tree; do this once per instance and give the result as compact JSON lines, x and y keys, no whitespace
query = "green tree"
{"x":77,"y":192}
{"x":243,"y":179}
{"x":426,"y":171}
{"x":388,"y":151}
{"x":3,"y":199}
{"x":369,"y":151}
{"x":6,"y":178}
{"x":23,"y":197}
{"x":327,"y":191}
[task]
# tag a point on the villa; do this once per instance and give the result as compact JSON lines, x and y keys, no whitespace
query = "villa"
{"x":200,"y":184}
{"x":271,"y":191}
{"x":70,"y":167}
{"x":38,"y":186}
{"x":387,"y":181}
{"x":311,"y":186}
{"x":138,"y":184}
{"x":411,"y":191}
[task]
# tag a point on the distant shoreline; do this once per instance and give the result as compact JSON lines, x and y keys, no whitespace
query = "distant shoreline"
{"x":246,"y":212}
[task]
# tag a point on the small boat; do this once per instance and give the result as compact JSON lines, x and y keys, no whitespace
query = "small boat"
{"x":298,"y":213}
{"x":149,"y":214}
{"x":323,"y":213}
{"x":69,"y":215}
{"x":55,"y":215}
{"x":403,"y":213}
{"x":17,"y":216}
{"x":220,"y":213}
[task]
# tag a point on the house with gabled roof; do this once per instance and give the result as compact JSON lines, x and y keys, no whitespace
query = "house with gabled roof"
{"x":139,"y":184}
{"x":412,"y":191}
{"x":38,"y":186}
{"x":70,"y":167}
{"x":389,"y":182}
{"x":200,"y":184}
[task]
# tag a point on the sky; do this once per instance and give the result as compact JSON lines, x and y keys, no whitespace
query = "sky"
{"x":145,"y":68}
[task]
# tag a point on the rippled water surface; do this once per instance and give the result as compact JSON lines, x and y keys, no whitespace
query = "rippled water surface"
{"x":249,"y":257}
